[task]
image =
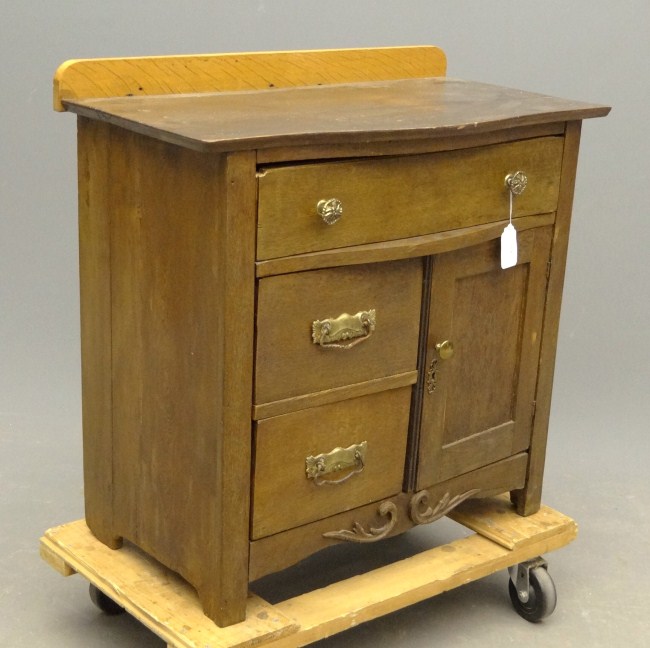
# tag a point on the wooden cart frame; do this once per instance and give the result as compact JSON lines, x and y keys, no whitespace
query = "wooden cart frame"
{"x":170,"y":608}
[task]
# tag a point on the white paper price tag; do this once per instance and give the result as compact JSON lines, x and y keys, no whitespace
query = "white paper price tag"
{"x":509,"y":247}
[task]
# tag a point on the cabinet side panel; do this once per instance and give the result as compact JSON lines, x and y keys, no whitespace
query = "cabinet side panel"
{"x":528,"y":500}
{"x":166,"y":326}
{"x":225,"y":586}
{"x":95,"y":297}
{"x":180,"y":441}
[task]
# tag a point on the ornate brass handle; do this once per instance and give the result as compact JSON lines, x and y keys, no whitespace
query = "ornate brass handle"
{"x":339,"y":459}
{"x":345,"y":331}
{"x":330,"y":210}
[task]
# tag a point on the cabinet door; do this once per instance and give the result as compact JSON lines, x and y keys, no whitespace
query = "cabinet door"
{"x":482,"y":352}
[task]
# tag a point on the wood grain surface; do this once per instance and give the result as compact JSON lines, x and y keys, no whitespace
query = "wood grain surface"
{"x":170,"y":609}
{"x":155,"y":596}
{"x":333,"y":395}
{"x":398,"y":197}
{"x":284,"y":497}
{"x":288,"y":363}
{"x":481,"y":409}
{"x":281,"y":550}
{"x":167,"y":438}
{"x":95,"y":215}
{"x":160,"y":75}
{"x":332,"y":114}
{"x":405,"y":248}
{"x":529,"y":499}
{"x":348,"y":603}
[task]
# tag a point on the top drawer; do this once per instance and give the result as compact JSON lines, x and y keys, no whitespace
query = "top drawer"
{"x":397,"y":197}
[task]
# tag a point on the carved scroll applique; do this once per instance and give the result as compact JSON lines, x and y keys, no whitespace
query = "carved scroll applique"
{"x":359,"y":534}
{"x":422,"y":513}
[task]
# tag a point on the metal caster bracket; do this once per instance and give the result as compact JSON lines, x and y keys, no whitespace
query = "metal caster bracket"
{"x":520,"y":576}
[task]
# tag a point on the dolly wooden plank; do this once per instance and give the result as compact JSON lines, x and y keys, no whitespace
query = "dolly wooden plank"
{"x":49,"y":554}
{"x":348,"y":603}
{"x":158,"y":598}
{"x":170,"y":608}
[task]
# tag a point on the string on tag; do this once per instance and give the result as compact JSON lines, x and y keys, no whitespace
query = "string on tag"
{"x":511,"y":201}
{"x":516,"y":183}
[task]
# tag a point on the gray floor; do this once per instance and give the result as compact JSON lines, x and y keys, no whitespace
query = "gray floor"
{"x":602,"y":578}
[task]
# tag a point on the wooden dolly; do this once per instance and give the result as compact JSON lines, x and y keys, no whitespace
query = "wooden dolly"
{"x":127,"y":579}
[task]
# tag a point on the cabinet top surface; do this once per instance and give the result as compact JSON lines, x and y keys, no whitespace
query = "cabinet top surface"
{"x":331,"y":114}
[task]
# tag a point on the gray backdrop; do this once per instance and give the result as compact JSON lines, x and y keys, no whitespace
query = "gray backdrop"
{"x":593,"y":51}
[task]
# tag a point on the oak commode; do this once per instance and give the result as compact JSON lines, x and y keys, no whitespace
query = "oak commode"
{"x":296,"y":330}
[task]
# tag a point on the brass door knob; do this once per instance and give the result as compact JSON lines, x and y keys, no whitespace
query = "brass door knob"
{"x":330,"y":210}
{"x":445,"y":349}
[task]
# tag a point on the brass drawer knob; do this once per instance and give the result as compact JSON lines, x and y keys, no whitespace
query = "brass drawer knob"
{"x":445,"y":349}
{"x":516,"y":182}
{"x":330,"y":210}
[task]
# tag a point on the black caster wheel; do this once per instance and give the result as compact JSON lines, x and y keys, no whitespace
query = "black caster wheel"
{"x":105,"y":603}
{"x":541,"y":597}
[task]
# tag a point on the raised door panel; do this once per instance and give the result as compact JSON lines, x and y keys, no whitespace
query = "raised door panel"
{"x":479,"y":387}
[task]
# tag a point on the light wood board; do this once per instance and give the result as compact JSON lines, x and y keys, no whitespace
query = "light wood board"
{"x":159,"y":75}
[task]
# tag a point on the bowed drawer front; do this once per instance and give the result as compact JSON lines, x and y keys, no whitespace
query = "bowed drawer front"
{"x":397,"y":197}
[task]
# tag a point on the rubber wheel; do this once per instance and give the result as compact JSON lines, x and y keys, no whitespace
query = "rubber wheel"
{"x":542,"y":596}
{"x":105,"y":603}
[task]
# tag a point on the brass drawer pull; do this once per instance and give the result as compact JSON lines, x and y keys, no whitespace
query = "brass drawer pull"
{"x":335,"y":333}
{"x":330,"y":210}
{"x":335,"y":461}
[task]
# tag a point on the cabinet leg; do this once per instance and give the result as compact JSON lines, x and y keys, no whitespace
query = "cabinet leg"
{"x":526,"y":500}
{"x":104,"y":535}
{"x":224,"y":612}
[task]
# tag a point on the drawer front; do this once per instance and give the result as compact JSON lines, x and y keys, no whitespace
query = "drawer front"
{"x":392,"y":198}
{"x":354,"y":451}
{"x":331,"y":328}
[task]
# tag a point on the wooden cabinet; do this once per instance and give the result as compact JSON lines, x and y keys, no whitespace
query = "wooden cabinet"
{"x":296,"y":330}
